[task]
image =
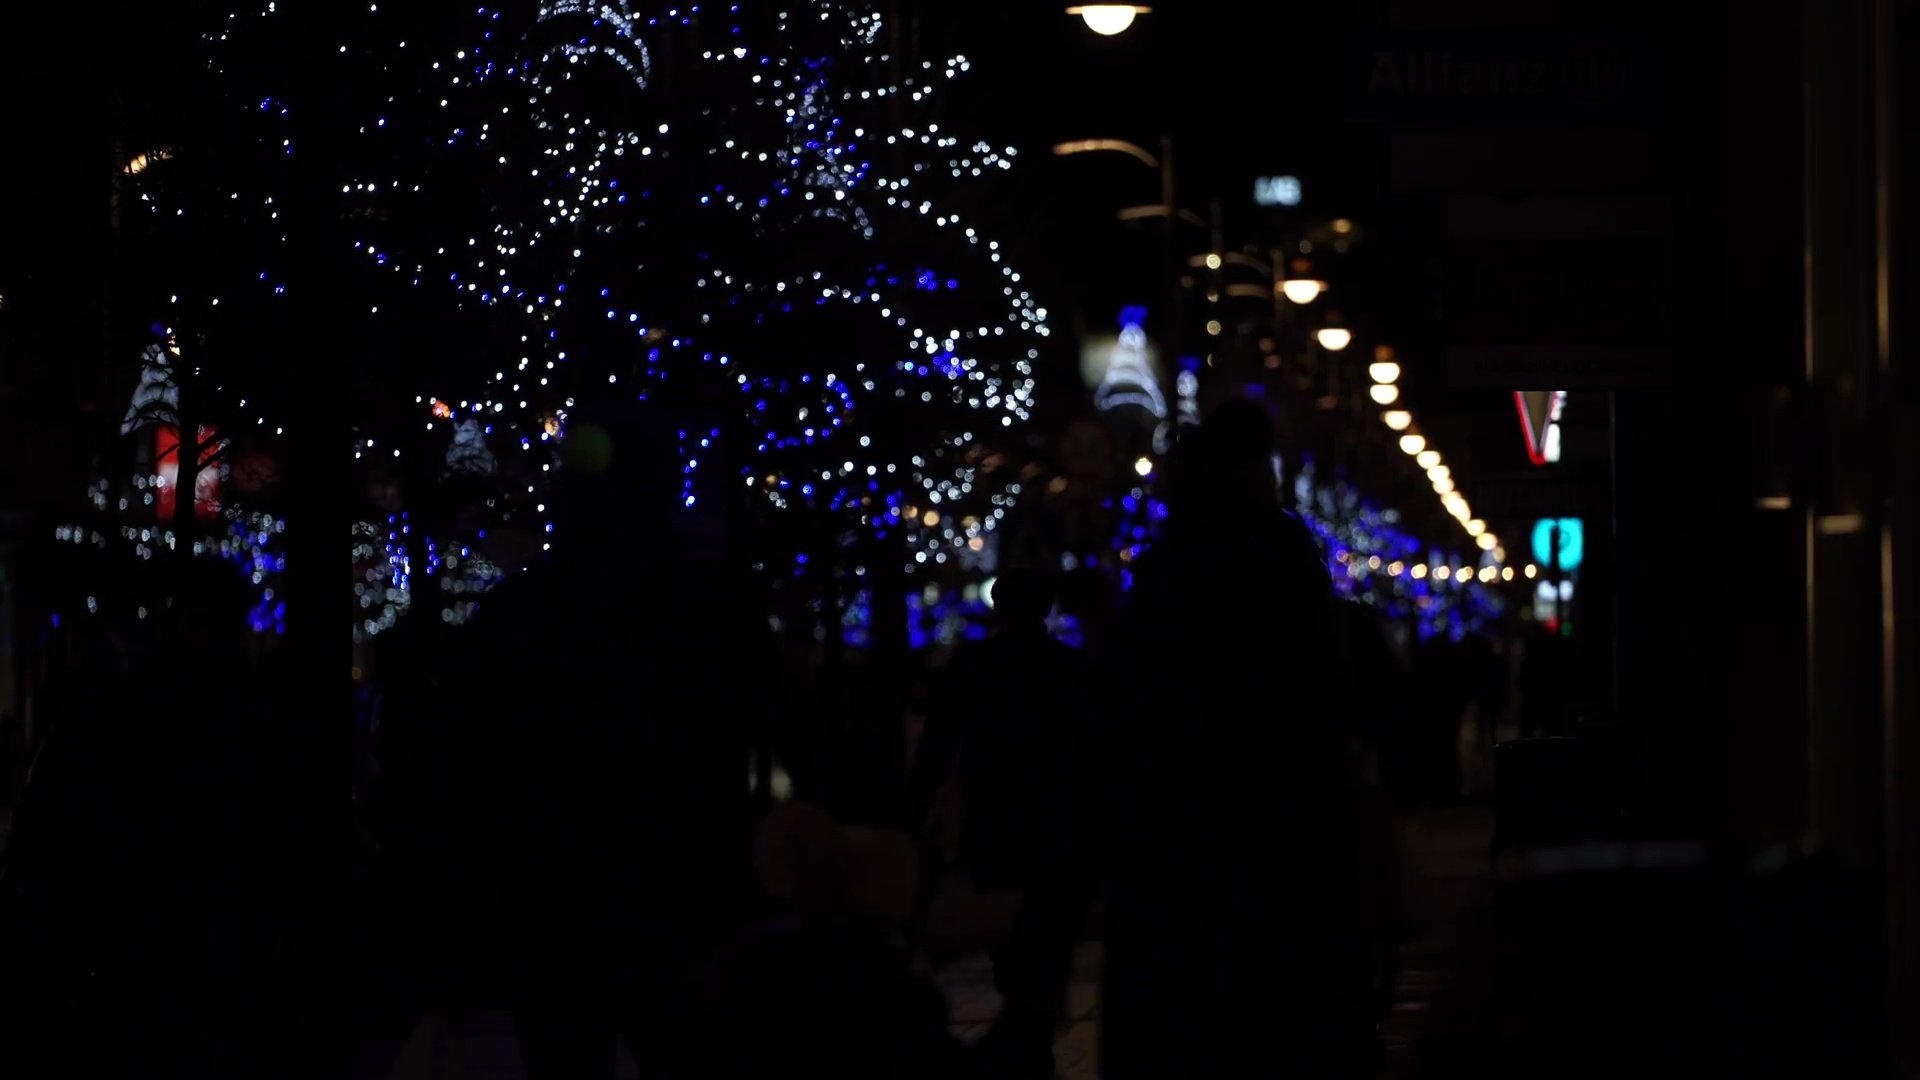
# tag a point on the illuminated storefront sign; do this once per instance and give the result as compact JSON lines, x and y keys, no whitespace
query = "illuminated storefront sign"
{"x":206,"y":477}
{"x":1277,"y":191}
{"x":1540,"y":421}
{"x":1571,"y":537}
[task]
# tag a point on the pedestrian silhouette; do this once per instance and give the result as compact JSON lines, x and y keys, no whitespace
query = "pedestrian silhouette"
{"x":824,"y":986}
{"x":1234,"y":924}
{"x":600,"y":803}
{"x":995,"y":779}
{"x":152,"y":852}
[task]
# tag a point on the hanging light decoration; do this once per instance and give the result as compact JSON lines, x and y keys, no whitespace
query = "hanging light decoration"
{"x":1334,"y":338}
{"x":1109,"y":19}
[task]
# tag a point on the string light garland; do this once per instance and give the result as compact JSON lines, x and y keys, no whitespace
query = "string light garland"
{"x":1374,"y":561}
{"x":936,"y":346}
{"x":608,"y":234}
{"x":1385,"y":371}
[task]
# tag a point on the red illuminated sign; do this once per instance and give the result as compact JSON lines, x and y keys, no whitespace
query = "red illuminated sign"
{"x":206,"y":479}
{"x":1540,"y":422}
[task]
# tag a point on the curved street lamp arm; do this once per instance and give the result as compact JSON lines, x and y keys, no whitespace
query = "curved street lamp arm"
{"x":1259,"y":266}
{"x":1137,"y":213}
{"x":1088,"y":146}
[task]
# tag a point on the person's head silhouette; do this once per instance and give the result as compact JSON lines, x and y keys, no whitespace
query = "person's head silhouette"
{"x":1023,"y":598}
{"x":1222,"y":475}
{"x":622,"y":472}
{"x":1227,"y":462}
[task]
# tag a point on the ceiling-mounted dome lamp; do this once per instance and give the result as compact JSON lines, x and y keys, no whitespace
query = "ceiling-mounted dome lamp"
{"x":1334,"y":338}
{"x":1109,"y":19}
{"x":1302,"y":290}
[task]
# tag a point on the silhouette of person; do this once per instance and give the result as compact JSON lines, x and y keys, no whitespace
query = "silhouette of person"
{"x":1542,"y":683}
{"x":1234,"y":923}
{"x":1481,"y":705}
{"x":1002,"y":718}
{"x":152,"y":843}
{"x":1376,"y":703}
{"x":1002,"y":738}
{"x":601,"y":792}
{"x":826,"y":986}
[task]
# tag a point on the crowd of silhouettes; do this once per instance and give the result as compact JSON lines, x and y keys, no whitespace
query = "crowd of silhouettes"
{"x":565,"y":811}
{"x":152,"y":874}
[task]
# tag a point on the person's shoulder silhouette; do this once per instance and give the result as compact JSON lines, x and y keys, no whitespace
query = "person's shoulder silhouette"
{"x":1023,"y":599}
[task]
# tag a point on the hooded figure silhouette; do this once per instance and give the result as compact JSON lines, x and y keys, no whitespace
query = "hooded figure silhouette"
{"x":620,"y":474}
{"x":602,"y":762}
{"x":1224,"y":785}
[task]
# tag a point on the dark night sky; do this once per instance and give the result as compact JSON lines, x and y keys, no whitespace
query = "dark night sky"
{"x":1250,"y":88}
{"x":1246,"y":89}
{"x":1261,"y":87}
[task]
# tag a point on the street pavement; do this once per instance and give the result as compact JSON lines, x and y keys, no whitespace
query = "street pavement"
{"x":973,"y":1004}
{"x":1442,"y":1016}
{"x":477,"y":1046}
{"x":1592,"y":959}
{"x":482,"y":1045}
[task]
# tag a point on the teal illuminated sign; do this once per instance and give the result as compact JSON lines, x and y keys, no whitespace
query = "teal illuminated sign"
{"x":1572,"y":542}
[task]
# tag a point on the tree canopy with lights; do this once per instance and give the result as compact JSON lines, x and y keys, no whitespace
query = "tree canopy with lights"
{"x":734,"y":214}
{"x":750,"y":218}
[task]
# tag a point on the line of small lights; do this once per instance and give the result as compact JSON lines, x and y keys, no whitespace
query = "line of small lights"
{"x":1385,"y":374}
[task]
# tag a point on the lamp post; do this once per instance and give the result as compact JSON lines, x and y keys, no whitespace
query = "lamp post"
{"x":1279,"y":289}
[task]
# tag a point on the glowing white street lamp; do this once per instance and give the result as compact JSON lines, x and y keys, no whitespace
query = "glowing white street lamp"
{"x":1384,"y":393}
{"x":1302,"y":290}
{"x":1398,"y":420}
{"x":1428,"y":459}
{"x":1384,"y":371}
{"x":1109,"y":19}
{"x":1334,"y":338}
{"x":1413,"y":444}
